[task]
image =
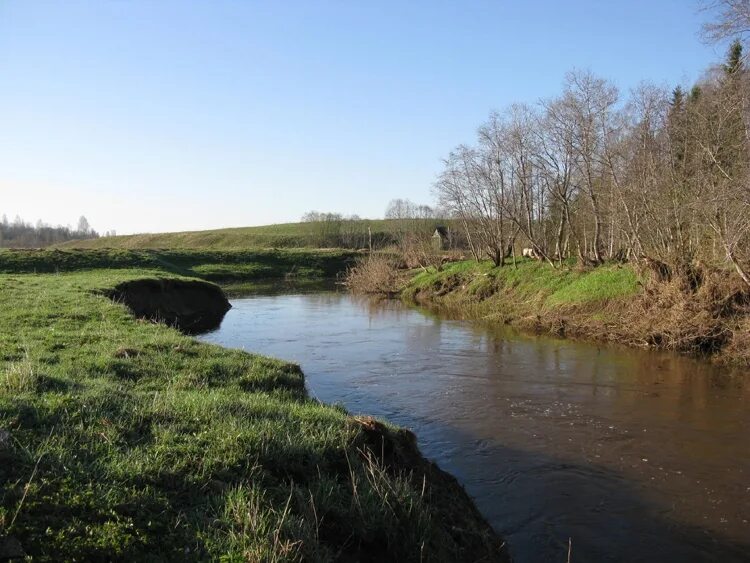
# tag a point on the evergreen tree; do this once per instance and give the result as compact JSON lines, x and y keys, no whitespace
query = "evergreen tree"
{"x":695,"y":94}
{"x":734,"y":65}
{"x":678,"y":99}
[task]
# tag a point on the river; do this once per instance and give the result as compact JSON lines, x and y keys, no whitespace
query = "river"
{"x":632,"y":455}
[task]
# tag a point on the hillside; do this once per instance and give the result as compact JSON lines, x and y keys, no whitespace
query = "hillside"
{"x":351,"y":234}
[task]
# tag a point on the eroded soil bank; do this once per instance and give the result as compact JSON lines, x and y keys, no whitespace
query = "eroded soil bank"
{"x":192,"y":306}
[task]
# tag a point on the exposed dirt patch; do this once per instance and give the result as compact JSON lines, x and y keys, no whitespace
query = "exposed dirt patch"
{"x":190,"y":305}
{"x":125,"y":352}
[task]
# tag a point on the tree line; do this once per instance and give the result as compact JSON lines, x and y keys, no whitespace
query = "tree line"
{"x":21,"y":234}
{"x":596,"y":176}
{"x":406,"y":223}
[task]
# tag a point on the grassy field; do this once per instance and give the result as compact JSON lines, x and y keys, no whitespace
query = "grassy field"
{"x":214,"y":265}
{"x":126,"y":440}
{"x":286,"y":235}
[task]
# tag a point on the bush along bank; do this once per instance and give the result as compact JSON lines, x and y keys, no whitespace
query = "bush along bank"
{"x":127,"y":440}
{"x":699,"y":311}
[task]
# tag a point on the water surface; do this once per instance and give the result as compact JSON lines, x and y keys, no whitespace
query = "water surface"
{"x":634,"y":455}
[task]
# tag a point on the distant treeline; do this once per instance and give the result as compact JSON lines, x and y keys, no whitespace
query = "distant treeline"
{"x":20,"y":234}
{"x":404,"y":219}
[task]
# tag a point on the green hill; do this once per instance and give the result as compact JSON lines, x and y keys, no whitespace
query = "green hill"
{"x":352,"y":234}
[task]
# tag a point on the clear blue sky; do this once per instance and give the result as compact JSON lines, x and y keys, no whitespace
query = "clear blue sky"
{"x":159,"y":115}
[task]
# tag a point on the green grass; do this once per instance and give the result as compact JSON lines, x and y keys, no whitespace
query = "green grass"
{"x":601,"y":284}
{"x":214,"y":265}
{"x":286,"y":235}
{"x":532,"y":285}
{"x":349,"y":234}
{"x":130,"y":441}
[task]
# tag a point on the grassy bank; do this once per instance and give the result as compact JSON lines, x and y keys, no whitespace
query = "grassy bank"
{"x":126,"y":440}
{"x":213,"y":265}
{"x":707,"y":314}
{"x":532,"y":285}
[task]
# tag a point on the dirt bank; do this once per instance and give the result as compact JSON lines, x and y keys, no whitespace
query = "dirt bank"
{"x":193,"y":306}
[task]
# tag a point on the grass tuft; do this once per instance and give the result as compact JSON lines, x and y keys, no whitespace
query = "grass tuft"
{"x":19,"y":377}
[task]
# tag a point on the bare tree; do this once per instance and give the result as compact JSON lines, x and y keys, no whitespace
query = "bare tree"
{"x":559,"y":162}
{"x":721,"y":171}
{"x":732,"y":21}
{"x":659,"y":178}
{"x":452,"y":192}
{"x":326,"y":227}
{"x":474,"y":191}
{"x":590,"y":102}
{"x":83,"y":225}
{"x":20,"y":234}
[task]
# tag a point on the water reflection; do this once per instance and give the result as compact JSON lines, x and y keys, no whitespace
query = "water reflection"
{"x":635,"y":455}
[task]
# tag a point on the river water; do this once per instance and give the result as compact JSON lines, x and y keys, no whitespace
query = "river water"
{"x":632,"y":455}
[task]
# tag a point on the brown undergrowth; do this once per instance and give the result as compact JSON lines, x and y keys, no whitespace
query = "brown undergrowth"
{"x":701,"y":311}
{"x":377,"y":274}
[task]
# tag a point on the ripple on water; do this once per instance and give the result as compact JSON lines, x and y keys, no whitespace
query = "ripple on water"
{"x":634,"y":455}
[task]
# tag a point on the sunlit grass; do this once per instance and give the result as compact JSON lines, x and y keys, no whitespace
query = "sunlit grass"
{"x":529,"y":282}
{"x":608,"y":282}
{"x":131,"y":441}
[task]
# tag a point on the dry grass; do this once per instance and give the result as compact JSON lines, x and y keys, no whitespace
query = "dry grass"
{"x":20,"y":376}
{"x":738,"y":350}
{"x":376,"y":274}
{"x":700,"y":312}
{"x":704,"y":315}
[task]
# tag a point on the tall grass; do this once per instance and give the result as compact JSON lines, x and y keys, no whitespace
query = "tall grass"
{"x":20,"y":376}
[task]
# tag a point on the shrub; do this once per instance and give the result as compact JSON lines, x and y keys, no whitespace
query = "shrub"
{"x":19,"y":377}
{"x":377,"y":274}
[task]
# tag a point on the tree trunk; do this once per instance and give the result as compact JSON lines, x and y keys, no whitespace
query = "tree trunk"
{"x":559,"y":241}
{"x":736,"y":263}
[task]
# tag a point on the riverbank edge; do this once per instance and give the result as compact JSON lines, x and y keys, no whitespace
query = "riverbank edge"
{"x":459,"y":524}
{"x":707,"y":317}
